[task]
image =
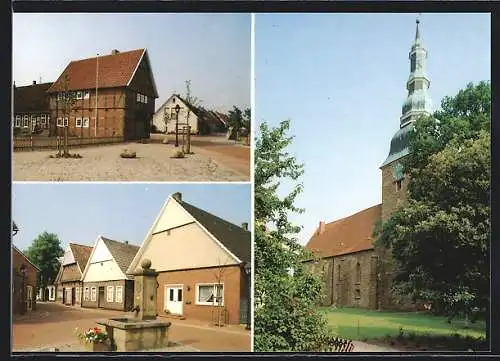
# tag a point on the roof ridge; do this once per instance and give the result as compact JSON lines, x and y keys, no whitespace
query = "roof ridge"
{"x":105,"y":55}
{"x":213,"y":215}
{"x":353,"y":214}
{"x":122,"y":243}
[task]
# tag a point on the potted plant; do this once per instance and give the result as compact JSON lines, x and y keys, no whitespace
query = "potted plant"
{"x":95,"y":340}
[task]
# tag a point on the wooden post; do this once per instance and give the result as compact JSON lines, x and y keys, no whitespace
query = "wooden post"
{"x":188,"y":143}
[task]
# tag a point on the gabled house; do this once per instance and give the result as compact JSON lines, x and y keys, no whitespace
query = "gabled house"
{"x":31,"y":108}
{"x":200,"y":120}
{"x":201,"y":262}
{"x":105,"y":283}
{"x":122,"y":105}
{"x":24,"y":283}
{"x":68,"y":281}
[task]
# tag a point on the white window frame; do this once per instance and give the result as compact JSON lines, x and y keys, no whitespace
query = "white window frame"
{"x":85,"y":122}
{"x":93,"y":294}
{"x":213,"y":303}
{"x":79,"y":94}
{"x":59,"y":122}
{"x":110,"y":293}
{"x":119,"y":291}
{"x":145,"y":99}
{"x":138,"y":97}
{"x":86,"y":94}
{"x":78,"y":122}
{"x":43,"y":120}
{"x":33,"y":122}
{"x":86,"y":293}
{"x":25,"y":121}
{"x":18,"y":121}
{"x":78,"y":294}
{"x":66,"y":122}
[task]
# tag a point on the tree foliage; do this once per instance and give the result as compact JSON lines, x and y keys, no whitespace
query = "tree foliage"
{"x":239,"y":119}
{"x":440,"y":238}
{"x":286,"y":316}
{"x":44,"y":252}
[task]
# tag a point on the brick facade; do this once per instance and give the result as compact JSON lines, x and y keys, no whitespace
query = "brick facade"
{"x":392,"y":198}
{"x":20,"y":303}
{"x":101,"y":300}
{"x":235,"y":289}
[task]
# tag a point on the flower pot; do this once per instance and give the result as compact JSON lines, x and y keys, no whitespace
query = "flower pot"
{"x":97,"y":346}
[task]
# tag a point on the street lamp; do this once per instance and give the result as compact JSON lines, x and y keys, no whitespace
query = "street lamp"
{"x":248,"y":268}
{"x":14,"y":228}
{"x":177,"y":108}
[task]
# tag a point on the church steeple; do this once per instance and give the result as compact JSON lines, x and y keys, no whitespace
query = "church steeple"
{"x":418,"y":101}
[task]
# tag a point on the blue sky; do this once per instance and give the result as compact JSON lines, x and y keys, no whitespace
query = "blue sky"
{"x":340,"y":79}
{"x":79,"y":212}
{"x":211,"y":50}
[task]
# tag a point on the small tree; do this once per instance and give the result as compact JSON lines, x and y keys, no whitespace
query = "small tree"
{"x":218,"y":273}
{"x":67,"y":100}
{"x":45,"y":252}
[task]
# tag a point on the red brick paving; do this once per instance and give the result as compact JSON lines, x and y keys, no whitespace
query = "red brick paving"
{"x":58,"y":328}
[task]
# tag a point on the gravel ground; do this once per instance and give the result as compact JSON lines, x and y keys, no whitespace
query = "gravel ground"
{"x":103,"y":163}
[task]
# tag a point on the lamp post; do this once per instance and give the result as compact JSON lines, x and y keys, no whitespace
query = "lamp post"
{"x":177,"y":108}
{"x":248,"y":268}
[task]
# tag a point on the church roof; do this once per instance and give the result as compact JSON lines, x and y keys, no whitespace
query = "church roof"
{"x":346,"y":235}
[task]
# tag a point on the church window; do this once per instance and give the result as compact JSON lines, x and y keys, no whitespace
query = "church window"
{"x":357,"y":294}
{"x":339,"y":273}
{"x":358,"y":273}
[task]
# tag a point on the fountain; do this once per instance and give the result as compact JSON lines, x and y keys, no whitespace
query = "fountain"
{"x":143,"y":331}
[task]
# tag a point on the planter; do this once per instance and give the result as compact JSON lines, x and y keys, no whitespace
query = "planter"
{"x":97,"y":346}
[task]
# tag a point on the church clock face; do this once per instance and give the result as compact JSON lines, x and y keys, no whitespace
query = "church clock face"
{"x":397,"y":171}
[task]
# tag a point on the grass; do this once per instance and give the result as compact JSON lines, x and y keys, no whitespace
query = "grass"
{"x":359,"y":324}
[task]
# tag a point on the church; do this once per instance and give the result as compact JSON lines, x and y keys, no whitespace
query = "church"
{"x":355,"y":273}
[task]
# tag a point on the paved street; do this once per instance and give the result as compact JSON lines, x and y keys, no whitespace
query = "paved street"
{"x":53,"y":325}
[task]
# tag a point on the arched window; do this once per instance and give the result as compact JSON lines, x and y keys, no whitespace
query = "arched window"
{"x":358,"y":273}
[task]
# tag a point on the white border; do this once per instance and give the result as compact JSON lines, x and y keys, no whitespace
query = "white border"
{"x":252,"y":181}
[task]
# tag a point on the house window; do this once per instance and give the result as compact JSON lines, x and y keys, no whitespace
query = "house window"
{"x":25,"y":121}
{"x":119,"y":294}
{"x":110,"y":293}
{"x":358,"y":273}
{"x":59,"y":96}
{"x":18,"y":121}
{"x":93,"y":294}
{"x":66,"y":122}
{"x":210,"y":294}
{"x":59,"y":122}
{"x":145,"y":99}
{"x":357,"y":294}
{"x":86,"y":294}
{"x":86,"y":94}
{"x":79,"y":95}
{"x":78,"y":122}
{"x":85,"y":122}
{"x":44,"y":120}
{"x":78,"y":294}
{"x":399,"y":184}
{"x":138,"y":97}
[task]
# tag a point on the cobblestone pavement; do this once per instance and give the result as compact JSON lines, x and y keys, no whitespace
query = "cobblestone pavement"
{"x":54,"y":326}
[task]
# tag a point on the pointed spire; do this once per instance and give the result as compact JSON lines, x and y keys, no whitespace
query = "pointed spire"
{"x":417,"y":33}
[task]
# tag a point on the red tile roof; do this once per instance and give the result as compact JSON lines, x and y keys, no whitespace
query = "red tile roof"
{"x":347,"y":235}
{"x":115,"y":70}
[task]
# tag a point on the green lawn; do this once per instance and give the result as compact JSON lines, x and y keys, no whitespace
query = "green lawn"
{"x":358,"y":324}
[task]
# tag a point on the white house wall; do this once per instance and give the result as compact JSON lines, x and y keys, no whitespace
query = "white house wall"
{"x":159,"y":116}
{"x":101,"y":253}
{"x":102,"y":266}
{"x":174,"y":215}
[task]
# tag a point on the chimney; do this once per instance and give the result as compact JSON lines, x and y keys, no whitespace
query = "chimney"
{"x":177,"y":196}
{"x":114,"y":52}
{"x":34,"y":82}
{"x":244,"y":225}
{"x":321,"y":228}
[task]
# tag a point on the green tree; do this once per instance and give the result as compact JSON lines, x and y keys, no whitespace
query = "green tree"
{"x":287,"y":295}
{"x":440,"y":239}
{"x":44,"y":252}
{"x":237,"y":120}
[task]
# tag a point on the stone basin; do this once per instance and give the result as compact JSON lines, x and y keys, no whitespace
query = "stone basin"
{"x":129,"y":334}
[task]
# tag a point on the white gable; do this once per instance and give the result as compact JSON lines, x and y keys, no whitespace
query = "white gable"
{"x":172,"y":216}
{"x":68,"y":257}
{"x":101,"y":265}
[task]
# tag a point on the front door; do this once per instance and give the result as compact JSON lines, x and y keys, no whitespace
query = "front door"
{"x":68,"y":296}
{"x":173,"y":299}
{"x":29,"y":298}
{"x":73,"y":293}
{"x":100,"y":299}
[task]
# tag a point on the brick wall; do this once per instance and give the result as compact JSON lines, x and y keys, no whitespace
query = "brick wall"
{"x":231,"y":278}
{"x":18,"y":293}
{"x":391,"y":197}
{"x":127,"y":291}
